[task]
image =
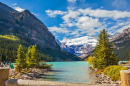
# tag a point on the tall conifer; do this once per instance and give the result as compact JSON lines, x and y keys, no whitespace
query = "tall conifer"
{"x":21,"y":60}
{"x":34,"y":55}
{"x":104,"y":55}
{"x":28,"y":57}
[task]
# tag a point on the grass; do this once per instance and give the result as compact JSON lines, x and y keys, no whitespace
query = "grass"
{"x":10,"y":37}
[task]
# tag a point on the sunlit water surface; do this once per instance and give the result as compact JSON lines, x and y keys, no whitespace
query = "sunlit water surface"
{"x":74,"y":72}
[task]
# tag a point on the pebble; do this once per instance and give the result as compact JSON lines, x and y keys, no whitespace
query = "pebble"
{"x":104,"y":79}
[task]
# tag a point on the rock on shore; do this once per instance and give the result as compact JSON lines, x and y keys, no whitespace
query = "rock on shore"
{"x":104,"y":79}
{"x":35,"y":73}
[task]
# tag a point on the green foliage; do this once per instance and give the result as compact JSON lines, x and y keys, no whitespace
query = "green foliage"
{"x":8,"y":50}
{"x":31,"y":60}
{"x":32,"y":56}
{"x":11,"y":37}
{"x":21,"y":59}
{"x":90,"y":60}
{"x":28,"y":57}
{"x":114,"y":72}
{"x":44,"y":65}
{"x":104,"y":55}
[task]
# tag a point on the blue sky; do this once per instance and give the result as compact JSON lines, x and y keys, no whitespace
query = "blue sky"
{"x":76,"y":18}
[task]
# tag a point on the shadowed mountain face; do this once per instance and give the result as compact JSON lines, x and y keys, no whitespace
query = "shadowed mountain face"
{"x":28,"y":24}
{"x":30,"y":29}
{"x":122,"y":44}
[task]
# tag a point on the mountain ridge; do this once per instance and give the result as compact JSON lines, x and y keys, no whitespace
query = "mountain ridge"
{"x":122,"y":46}
{"x":78,"y":46}
{"x":30,"y":30}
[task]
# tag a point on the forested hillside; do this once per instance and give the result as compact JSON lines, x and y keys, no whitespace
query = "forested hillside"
{"x":24,"y":28}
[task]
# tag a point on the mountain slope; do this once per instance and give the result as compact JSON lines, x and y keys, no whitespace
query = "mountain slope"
{"x":122,"y":44}
{"x":30,"y":30}
{"x":78,"y":46}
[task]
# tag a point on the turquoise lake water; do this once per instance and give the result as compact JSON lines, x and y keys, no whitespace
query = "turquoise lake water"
{"x":75,"y":72}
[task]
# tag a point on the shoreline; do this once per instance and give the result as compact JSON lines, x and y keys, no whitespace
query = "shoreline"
{"x":33,"y":75}
{"x":104,"y":79}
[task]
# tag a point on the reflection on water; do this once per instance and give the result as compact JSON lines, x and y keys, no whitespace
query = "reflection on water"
{"x":75,"y":72}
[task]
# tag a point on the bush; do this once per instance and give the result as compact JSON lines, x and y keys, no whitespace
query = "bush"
{"x":90,"y":60}
{"x":44,"y":65}
{"x":114,"y":72}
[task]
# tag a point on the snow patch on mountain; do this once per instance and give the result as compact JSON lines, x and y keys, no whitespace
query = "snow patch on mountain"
{"x":86,"y":40}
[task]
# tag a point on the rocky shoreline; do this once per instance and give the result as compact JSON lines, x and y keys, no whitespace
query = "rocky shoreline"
{"x":33,"y":75}
{"x":104,"y":79}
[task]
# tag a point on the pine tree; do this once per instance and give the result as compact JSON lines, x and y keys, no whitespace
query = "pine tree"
{"x":21,"y":60}
{"x":104,"y":55}
{"x":34,"y":56}
{"x":28,"y":57}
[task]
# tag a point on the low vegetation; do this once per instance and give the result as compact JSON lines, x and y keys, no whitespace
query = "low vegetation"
{"x":114,"y":72}
{"x":90,"y":60}
{"x":11,"y":37}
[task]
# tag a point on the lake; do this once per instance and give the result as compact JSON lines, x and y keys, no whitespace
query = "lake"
{"x":74,"y":72}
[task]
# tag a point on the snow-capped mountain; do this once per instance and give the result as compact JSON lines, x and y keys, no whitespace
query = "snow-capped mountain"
{"x":78,"y":46}
{"x":86,"y":40}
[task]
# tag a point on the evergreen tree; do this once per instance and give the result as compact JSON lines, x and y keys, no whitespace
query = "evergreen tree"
{"x":21,"y":60}
{"x":28,"y":57}
{"x":34,"y":56}
{"x":104,"y":55}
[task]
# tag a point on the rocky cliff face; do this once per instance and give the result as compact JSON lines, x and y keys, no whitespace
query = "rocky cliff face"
{"x":122,"y":44}
{"x":124,"y":36}
{"x":28,"y":24}
{"x":112,"y":37}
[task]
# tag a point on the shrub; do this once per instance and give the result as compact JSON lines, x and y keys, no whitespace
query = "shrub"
{"x":114,"y":72}
{"x":90,"y":60}
{"x":44,"y":65}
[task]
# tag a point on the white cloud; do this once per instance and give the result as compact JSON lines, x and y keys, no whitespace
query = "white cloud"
{"x":14,"y":4}
{"x":124,"y":27}
{"x":58,"y":30}
{"x":19,"y":9}
{"x":119,"y":4}
{"x":105,"y":13}
{"x":68,"y":18}
{"x":86,"y":22}
{"x":71,"y":1}
{"x":89,"y":22}
{"x":54,"y":13}
{"x":99,"y":13}
{"x":119,"y":26}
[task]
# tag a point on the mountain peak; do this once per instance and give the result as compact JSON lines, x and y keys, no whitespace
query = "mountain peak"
{"x":6,"y":8}
{"x":81,"y":41}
